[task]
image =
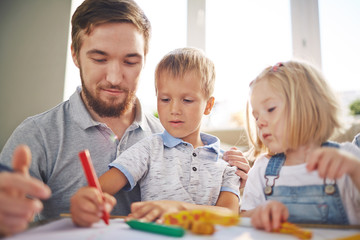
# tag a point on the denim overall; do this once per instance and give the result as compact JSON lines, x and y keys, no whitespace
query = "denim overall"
{"x":306,"y":204}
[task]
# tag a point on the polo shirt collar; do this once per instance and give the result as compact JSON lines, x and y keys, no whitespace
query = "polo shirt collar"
{"x":210,"y":142}
{"x":83,"y":118}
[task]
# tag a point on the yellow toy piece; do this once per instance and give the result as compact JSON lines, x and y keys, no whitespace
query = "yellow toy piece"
{"x":201,"y":221}
{"x":289,"y":228}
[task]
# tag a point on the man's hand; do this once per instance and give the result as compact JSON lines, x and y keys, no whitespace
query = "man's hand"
{"x":16,"y":208}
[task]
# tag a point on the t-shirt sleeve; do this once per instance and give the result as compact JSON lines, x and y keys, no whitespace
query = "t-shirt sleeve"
{"x":253,"y":194}
{"x":29,"y":134}
{"x":133,"y":162}
{"x":231,"y":181}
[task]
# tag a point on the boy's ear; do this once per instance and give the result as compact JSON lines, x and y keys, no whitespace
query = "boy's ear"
{"x":74,"y":57}
{"x":209,"y":105}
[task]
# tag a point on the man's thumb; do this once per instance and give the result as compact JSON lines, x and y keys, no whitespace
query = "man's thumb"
{"x":22,"y":159}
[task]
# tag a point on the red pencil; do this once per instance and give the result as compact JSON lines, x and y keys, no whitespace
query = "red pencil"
{"x":92,"y":178}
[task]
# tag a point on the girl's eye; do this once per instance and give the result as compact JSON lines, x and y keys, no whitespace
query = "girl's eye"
{"x":271,"y":109}
{"x":188,"y":100}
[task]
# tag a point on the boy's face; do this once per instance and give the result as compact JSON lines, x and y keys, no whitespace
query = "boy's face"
{"x":110,"y":60}
{"x":268,"y":111}
{"x":181,"y":104}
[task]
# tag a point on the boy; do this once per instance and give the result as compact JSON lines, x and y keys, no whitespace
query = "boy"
{"x":179,"y":169}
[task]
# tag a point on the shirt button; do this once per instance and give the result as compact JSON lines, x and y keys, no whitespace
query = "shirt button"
{"x":194,"y":154}
{"x":194,"y":169}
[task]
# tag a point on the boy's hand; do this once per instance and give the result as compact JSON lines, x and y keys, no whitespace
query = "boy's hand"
{"x":236,"y":158}
{"x":149,"y":211}
{"x":332,"y":163}
{"x":87,"y":205}
{"x":269,"y":215}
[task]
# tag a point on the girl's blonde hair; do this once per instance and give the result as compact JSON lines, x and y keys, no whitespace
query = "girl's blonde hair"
{"x":311,"y":108}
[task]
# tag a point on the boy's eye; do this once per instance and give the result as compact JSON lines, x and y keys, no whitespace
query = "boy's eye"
{"x":165,"y":99}
{"x":188,"y":100}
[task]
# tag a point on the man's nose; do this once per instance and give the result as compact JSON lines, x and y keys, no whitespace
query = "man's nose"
{"x":115,"y":73}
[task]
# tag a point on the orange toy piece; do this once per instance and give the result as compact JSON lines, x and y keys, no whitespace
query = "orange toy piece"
{"x":289,"y":228}
{"x":201,"y":221}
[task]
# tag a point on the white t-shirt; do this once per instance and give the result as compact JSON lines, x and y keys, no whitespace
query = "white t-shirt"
{"x":297,"y":175}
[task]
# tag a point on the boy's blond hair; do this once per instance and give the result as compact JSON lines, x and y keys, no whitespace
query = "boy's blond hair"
{"x":311,"y":110}
{"x":181,"y":61}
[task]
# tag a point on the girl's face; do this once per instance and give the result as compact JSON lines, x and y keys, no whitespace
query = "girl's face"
{"x":268,"y":109}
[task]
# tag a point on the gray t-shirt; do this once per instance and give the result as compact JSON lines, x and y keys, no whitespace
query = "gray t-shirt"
{"x":55,"y":138}
{"x":168,"y":168}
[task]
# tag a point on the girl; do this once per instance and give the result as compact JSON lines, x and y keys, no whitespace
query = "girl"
{"x":299,"y":176}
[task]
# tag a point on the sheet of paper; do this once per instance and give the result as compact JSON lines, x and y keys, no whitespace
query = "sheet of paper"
{"x":64,"y":229}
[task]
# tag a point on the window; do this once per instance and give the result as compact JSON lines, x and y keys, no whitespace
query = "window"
{"x":340,"y":48}
{"x":242,"y":38}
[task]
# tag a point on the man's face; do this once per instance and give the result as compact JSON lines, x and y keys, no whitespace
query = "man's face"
{"x":110,"y":60}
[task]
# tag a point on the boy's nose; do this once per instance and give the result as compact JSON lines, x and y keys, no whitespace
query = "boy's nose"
{"x":175,"y":108}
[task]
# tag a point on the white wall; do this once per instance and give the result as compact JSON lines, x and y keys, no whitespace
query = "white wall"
{"x":33,"y":42}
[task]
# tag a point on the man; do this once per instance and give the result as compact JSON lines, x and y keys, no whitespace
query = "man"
{"x":110,"y":40}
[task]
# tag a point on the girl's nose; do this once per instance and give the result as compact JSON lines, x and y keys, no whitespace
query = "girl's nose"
{"x":261,"y":122}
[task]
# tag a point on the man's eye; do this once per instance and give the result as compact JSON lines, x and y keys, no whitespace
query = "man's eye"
{"x":99,"y":60}
{"x":130,"y":63}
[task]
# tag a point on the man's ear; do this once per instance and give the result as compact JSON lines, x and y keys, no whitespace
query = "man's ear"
{"x":209,"y":105}
{"x":74,"y":57}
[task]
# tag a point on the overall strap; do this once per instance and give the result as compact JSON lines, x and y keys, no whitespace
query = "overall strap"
{"x":330,"y":144}
{"x":273,"y":169}
{"x":275,"y":163}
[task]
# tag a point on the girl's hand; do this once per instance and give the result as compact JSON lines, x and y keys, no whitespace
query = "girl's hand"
{"x":149,"y":211}
{"x":332,"y":163}
{"x":269,"y":215}
{"x":87,"y":206}
{"x":236,"y":158}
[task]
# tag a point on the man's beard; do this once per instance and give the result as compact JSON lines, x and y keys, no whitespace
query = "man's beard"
{"x":104,"y":109}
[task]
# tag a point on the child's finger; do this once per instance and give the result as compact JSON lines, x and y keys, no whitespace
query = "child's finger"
{"x":140,"y":209}
{"x":312,"y":160}
{"x":152,"y":215}
{"x":323,"y":166}
{"x":109,"y":199}
{"x":333,"y":169}
{"x":86,"y":206}
{"x":276,"y":217}
{"x":265,"y":218}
